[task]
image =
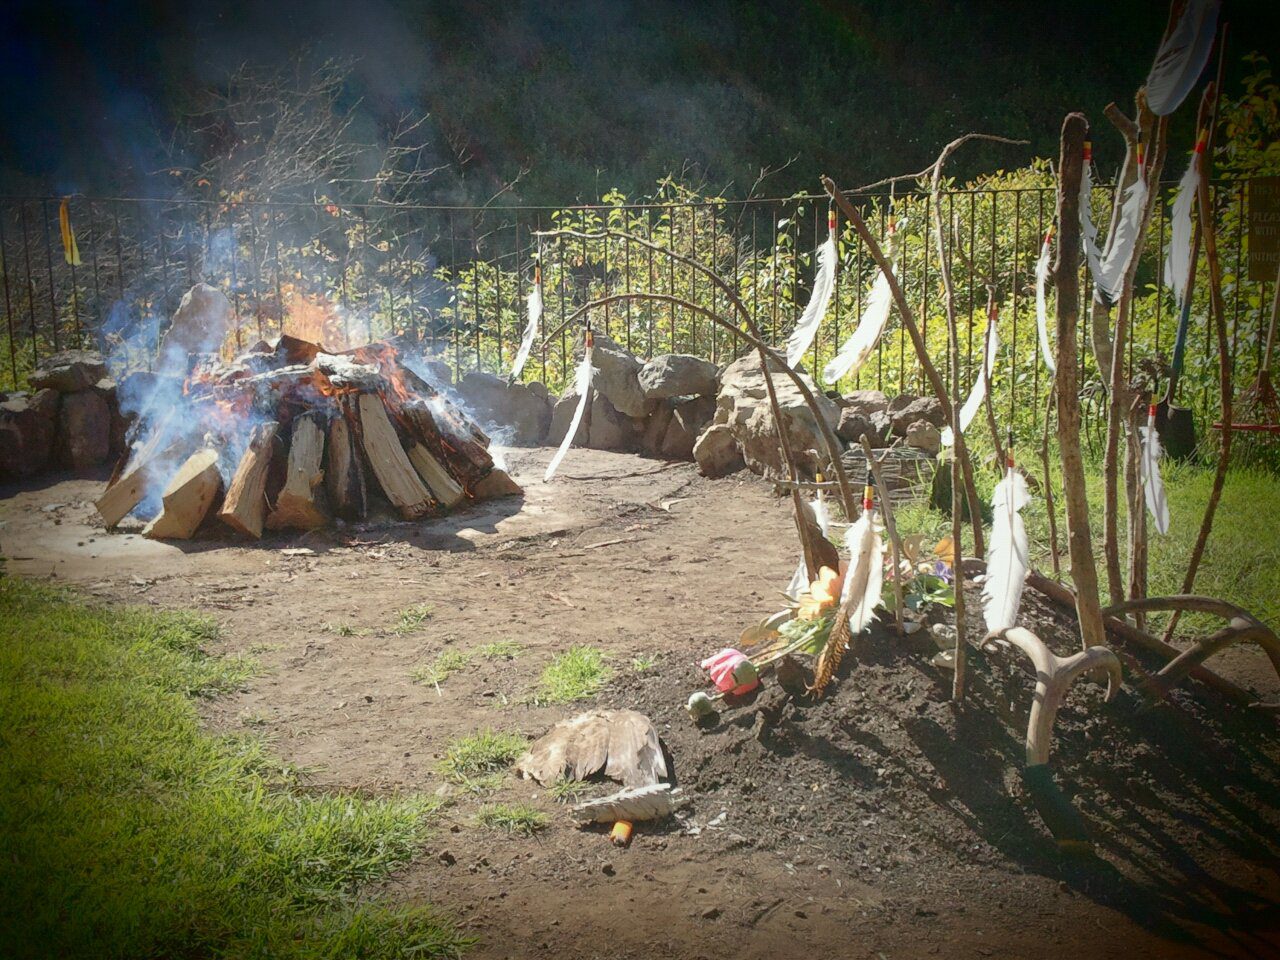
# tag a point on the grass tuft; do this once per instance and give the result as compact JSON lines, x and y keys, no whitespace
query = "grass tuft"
{"x":133,"y":831}
{"x":576,"y":674}
{"x":475,"y":761}
{"x":438,"y":670}
{"x":412,"y":618}
{"x":501,"y":650}
{"x":513,"y":818}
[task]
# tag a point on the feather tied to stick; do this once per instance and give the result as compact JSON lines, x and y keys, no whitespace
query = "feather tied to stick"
{"x":860,"y":594}
{"x":801,"y":579}
{"x":1109,"y":277}
{"x":1182,"y":56}
{"x":534,"y":302}
{"x":1152,"y":482}
{"x":978,"y":393}
{"x":1088,"y":229}
{"x":582,"y":384}
{"x":866,"y":336}
{"x":1178,"y":264}
{"x":1008,"y":555}
{"x":824,"y":282}
{"x":1042,"y":310}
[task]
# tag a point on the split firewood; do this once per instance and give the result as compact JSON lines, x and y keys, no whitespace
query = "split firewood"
{"x":126,"y":491}
{"x":187,"y":498}
{"x":442,"y":486}
{"x":344,"y":479}
{"x":300,"y":503}
{"x":245,"y":506}
{"x":497,"y":484}
{"x":390,"y":463}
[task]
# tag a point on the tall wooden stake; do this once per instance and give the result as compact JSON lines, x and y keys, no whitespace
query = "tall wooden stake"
{"x":1066,"y":272}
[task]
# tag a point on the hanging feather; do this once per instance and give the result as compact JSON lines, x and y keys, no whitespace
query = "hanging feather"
{"x":582,"y":384}
{"x":1088,"y":230}
{"x":1008,"y":556}
{"x":978,"y":393}
{"x":1182,"y":56}
{"x":860,"y":594}
{"x":70,"y":251}
{"x":1109,"y":278}
{"x":1178,"y":263}
{"x":801,"y":579}
{"x":824,"y":282}
{"x":858,"y":348}
{"x":534,"y":302}
{"x":1152,"y":482}
{"x":1042,"y":311}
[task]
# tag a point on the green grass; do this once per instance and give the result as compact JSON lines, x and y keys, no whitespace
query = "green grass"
{"x":514,"y":818}
{"x":1241,"y":562}
{"x":643,"y":663}
{"x":500,"y":650}
{"x":576,"y":674}
{"x":131,"y":831}
{"x":438,"y":670}
{"x":477,"y":761}
{"x":412,"y":618}
{"x":566,"y":790}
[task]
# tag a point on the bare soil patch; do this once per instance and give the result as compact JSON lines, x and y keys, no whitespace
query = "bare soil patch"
{"x":878,"y":822}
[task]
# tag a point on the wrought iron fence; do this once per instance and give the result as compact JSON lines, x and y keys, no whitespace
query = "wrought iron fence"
{"x":454,"y":279}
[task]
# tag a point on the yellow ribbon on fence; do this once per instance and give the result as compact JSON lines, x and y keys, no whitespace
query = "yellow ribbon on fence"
{"x":70,"y":251}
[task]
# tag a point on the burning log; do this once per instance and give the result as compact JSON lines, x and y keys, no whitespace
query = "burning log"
{"x":345,"y":480}
{"x":300,"y":503}
{"x":245,"y":506}
{"x":187,"y":498}
{"x":390,"y":463}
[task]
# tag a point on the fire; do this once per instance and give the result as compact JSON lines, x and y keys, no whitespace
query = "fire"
{"x":312,"y":318}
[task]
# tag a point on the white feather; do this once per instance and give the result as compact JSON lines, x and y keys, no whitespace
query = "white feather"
{"x":1088,"y":230}
{"x":1152,"y":482}
{"x":534,"y":302}
{"x":582,"y":384}
{"x":1177,"y":269}
{"x":978,"y":393}
{"x":1182,"y":56}
{"x":824,"y":282}
{"x":1042,"y":311}
{"x":801,"y":579}
{"x":865,"y":577}
{"x":1109,"y":278}
{"x":1008,"y":558}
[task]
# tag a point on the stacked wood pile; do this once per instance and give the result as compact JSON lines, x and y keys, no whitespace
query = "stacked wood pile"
{"x":289,"y":436}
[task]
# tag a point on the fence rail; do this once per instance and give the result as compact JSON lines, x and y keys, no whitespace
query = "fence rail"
{"x":454,"y":279}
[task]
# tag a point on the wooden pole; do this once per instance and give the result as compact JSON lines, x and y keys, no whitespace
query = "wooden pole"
{"x":1066,"y":271}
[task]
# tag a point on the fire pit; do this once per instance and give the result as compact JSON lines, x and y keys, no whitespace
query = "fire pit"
{"x":288,"y":435}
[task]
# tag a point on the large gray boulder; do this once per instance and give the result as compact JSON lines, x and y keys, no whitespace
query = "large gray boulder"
{"x":84,"y":430}
{"x":677,"y":375}
{"x":906,"y":409}
{"x":519,"y":414}
{"x":690,"y":416}
{"x":69,"y":371}
{"x":200,"y":324}
{"x":743,"y":406}
{"x":617,"y":376}
{"x":716,"y":451}
{"x":28,"y":425}
{"x":562,"y":414}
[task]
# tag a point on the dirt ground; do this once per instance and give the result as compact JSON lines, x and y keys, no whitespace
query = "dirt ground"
{"x":876,"y":823}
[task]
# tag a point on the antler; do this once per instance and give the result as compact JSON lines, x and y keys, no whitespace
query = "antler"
{"x":1054,"y":676}
{"x":1241,"y":626}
